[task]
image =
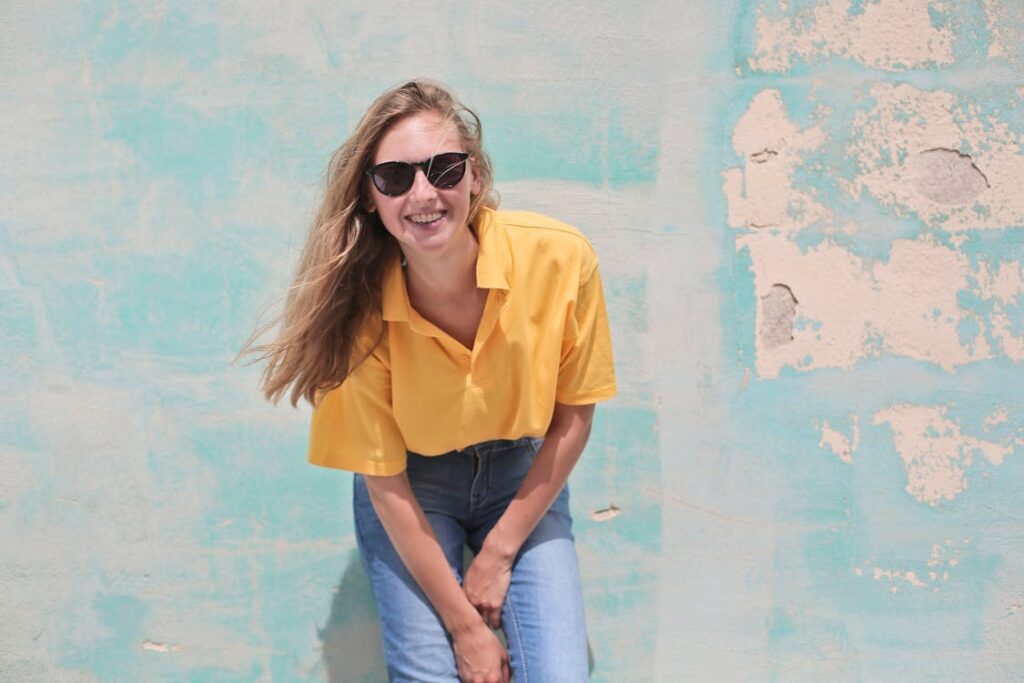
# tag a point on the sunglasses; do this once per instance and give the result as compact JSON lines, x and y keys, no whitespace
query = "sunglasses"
{"x":443,"y":171}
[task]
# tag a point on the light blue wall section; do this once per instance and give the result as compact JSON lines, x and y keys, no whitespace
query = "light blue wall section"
{"x":159,"y":164}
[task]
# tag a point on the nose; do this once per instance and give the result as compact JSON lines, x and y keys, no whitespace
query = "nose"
{"x":422,"y":190}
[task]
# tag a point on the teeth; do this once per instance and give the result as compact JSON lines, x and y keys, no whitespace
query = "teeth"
{"x":425,"y":217}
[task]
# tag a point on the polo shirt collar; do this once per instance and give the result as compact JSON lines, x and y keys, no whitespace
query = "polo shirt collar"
{"x":494,"y":258}
{"x":395,"y":299}
{"x":493,"y":267}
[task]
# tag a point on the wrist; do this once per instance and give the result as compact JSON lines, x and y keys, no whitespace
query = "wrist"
{"x":462,"y":620}
{"x":499,"y":546}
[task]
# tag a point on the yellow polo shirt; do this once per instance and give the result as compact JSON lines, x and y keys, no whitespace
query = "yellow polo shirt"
{"x":543,"y":338}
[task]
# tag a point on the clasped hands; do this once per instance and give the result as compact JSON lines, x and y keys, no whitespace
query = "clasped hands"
{"x":479,"y":655}
{"x":486,"y":583}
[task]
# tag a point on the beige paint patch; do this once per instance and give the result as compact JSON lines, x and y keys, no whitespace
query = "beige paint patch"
{"x":1003,"y":283}
{"x":1003,"y":286}
{"x":934,"y":451}
{"x":825,"y":307}
{"x":996,"y":48}
{"x":998,"y":416}
{"x":837,"y":441}
{"x":938,"y":156}
{"x":1011,"y":344}
{"x":761,"y":194}
{"x":888,"y":34}
{"x":935,"y":571}
{"x":1006,"y":26}
{"x":849,"y":311}
{"x":895,"y":574}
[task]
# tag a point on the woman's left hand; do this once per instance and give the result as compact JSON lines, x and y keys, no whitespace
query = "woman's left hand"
{"x":486,"y":584}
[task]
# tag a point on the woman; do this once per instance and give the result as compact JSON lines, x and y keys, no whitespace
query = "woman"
{"x":453,"y":354}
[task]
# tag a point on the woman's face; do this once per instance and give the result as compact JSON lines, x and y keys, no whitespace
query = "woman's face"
{"x":426,"y":221}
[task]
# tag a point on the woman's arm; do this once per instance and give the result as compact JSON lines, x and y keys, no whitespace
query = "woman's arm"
{"x":478,"y":653}
{"x":487,"y":580}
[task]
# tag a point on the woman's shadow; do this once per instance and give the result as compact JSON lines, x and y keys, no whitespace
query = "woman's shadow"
{"x":352,"y":650}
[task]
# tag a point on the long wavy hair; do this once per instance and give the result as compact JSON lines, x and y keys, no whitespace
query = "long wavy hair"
{"x":336,"y":291}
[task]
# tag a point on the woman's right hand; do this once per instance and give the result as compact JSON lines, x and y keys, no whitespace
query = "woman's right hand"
{"x":479,"y":656}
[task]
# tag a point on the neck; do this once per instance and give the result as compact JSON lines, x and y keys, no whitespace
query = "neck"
{"x":449,"y":274}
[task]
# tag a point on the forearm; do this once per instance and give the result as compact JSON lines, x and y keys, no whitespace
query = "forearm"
{"x":411,"y":534}
{"x":562,"y":447}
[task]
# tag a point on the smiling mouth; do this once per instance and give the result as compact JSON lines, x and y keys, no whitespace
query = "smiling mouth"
{"x":426,"y":218}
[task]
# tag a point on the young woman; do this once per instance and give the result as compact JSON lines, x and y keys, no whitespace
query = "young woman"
{"x":453,"y":354}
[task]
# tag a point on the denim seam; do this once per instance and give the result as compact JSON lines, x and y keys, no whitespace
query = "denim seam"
{"x":473,"y":484}
{"x":519,"y":637}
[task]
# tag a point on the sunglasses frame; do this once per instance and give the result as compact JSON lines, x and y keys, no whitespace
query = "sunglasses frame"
{"x":425,"y":166}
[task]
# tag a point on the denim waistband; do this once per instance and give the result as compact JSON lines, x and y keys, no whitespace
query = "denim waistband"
{"x":485,"y":447}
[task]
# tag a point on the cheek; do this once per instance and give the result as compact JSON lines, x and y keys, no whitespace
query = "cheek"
{"x":382,"y":204}
{"x":370,"y":198}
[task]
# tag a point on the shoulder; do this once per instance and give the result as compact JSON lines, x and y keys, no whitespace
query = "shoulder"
{"x":539,"y":237}
{"x":371,"y":343}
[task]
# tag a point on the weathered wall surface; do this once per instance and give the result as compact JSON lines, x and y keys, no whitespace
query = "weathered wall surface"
{"x":812,"y":234}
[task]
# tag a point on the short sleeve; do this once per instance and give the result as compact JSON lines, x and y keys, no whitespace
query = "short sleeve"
{"x":353,"y":426}
{"x":586,"y":372}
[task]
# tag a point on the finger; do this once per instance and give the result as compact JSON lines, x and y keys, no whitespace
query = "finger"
{"x":506,"y":671}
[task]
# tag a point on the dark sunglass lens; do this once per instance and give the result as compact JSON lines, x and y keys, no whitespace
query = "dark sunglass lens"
{"x":447,"y":170}
{"x":393,"y":177}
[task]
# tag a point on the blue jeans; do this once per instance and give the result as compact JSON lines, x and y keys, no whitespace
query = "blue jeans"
{"x":463,"y":493}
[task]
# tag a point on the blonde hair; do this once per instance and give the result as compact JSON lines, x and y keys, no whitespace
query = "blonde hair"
{"x":336,"y":291}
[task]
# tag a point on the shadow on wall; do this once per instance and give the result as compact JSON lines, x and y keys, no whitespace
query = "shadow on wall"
{"x":351,"y":637}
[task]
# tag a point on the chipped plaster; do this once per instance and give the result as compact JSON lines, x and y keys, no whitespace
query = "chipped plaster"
{"x":903,"y":145}
{"x":891,"y":35}
{"x":935,"y":452}
{"x":841,"y":446}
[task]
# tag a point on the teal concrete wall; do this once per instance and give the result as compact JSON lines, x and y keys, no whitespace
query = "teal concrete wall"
{"x":811,"y":235}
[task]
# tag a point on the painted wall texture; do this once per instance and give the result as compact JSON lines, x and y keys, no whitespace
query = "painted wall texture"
{"x":811,"y":225}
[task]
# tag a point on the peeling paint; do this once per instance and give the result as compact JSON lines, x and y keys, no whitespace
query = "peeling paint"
{"x":1005,"y":285}
{"x":153,"y":646}
{"x":761,"y":194}
{"x":891,"y":35}
{"x":1005,"y":23}
{"x":998,"y":417}
{"x":935,"y":453}
{"x":904,"y":146}
{"x":778,"y":308}
{"x":603,"y":515}
{"x":841,"y":446}
{"x":908,"y":306}
{"x":933,"y":573}
{"x":910,"y":577}
{"x":946,"y":176}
